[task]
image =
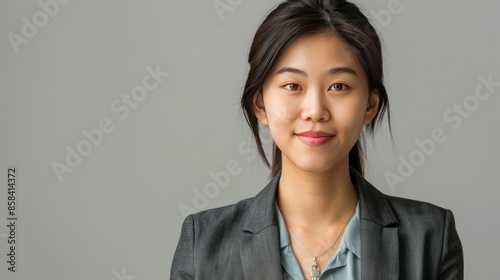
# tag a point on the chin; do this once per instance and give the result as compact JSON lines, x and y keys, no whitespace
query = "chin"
{"x":318,"y":164}
{"x":315,"y":166}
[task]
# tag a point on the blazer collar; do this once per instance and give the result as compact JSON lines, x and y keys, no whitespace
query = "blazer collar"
{"x":374,"y":205}
{"x":259,"y":245}
{"x":379,"y":232}
{"x":259,"y":240}
{"x":262,"y":213}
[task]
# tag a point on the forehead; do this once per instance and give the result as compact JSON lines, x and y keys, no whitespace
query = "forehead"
{"x":316,"y":53}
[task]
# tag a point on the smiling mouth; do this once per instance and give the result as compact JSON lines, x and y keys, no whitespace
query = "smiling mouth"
{"x":313,"y":140}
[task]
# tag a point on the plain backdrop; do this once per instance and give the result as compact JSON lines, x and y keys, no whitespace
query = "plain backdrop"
{"x":107,"y":169}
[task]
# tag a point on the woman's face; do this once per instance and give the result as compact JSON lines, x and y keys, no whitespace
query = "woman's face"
{"x":316,"y":85}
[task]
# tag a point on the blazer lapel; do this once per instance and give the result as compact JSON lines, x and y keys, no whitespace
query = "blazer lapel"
{"x":259,"y":241}
{"x":379,"y":252}
{"x":379,"y":232}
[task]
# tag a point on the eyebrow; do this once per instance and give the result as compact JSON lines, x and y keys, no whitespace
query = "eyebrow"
{"x":332,"y":71}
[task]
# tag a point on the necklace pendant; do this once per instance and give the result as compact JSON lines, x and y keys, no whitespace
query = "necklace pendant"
{"x":315,"y":271}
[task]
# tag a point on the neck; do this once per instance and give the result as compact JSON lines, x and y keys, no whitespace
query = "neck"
{"x":316,"y":200}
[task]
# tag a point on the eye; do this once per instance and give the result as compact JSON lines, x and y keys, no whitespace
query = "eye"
{"x":292,"y":87}
{"x":339,"y":87}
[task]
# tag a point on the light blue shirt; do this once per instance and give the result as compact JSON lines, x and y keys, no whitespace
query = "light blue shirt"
{"x":345,"y":264}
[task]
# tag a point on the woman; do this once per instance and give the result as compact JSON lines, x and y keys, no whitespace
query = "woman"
{"x":316,"y":81}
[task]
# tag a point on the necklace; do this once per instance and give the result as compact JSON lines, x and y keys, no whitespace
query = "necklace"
{"x":315,"y":272}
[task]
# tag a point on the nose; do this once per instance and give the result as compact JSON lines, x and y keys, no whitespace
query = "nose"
{"x":314,"y":107}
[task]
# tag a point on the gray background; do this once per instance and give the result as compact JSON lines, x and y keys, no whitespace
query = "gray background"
{"x":117,"y":214}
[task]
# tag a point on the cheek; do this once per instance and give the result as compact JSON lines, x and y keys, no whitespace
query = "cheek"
{"x":350,"y":117}
{"x":280,"y":117}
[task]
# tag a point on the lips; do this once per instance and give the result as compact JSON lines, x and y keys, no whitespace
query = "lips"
{"x":314,"y":138}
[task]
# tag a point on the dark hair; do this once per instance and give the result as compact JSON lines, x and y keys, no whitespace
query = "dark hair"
{"x":294,"y":18}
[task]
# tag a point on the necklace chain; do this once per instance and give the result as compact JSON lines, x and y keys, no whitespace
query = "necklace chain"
{"x":334,"y":242}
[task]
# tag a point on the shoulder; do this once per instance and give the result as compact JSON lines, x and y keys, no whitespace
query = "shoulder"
{"x":408,"y":208}
{"x":230,"y":216}
{"x":253,"y":214}
{"x":428,"y":232}
{"x":387,"y":209}
{"x":209,"y":239}
{"x":419,"y":217}
{"x":412,"y":217}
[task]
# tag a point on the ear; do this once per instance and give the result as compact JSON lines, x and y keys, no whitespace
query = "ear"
{"x":259,"y":108}
{"x":372,"y":107}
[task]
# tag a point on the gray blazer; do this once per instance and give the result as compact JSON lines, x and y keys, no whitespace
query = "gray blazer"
{"x":400,"y":239}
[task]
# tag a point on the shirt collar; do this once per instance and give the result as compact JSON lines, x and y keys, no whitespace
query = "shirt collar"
{"x":352,"y":235}
{"x":284,"y":237}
